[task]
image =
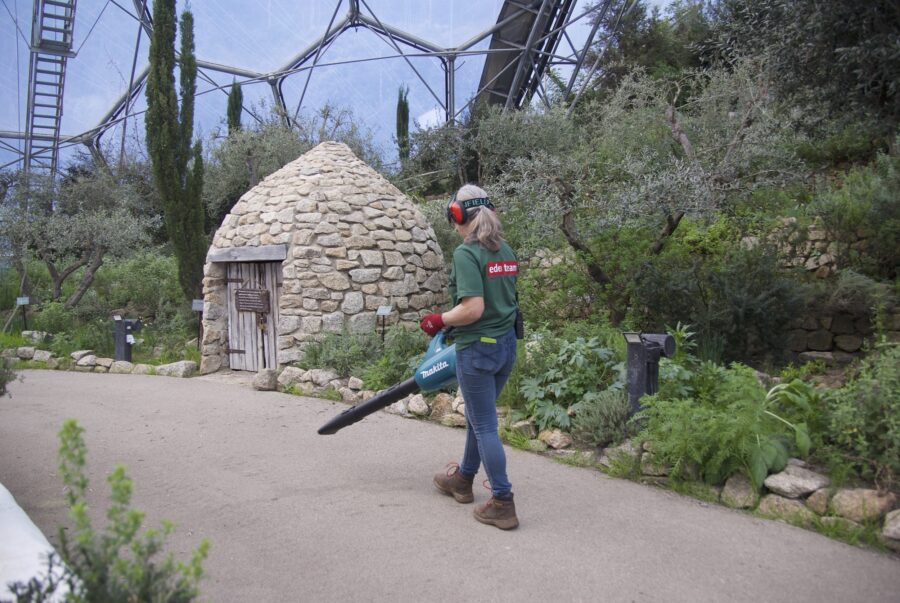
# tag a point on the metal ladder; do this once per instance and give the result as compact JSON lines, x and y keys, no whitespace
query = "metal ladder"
{"x":51,"y":46}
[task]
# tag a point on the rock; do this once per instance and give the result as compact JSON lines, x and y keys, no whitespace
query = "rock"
{"x":399,"y":407}
{"x":349,"y":395}
{"x":461,"y":409}
{"x":537,"y":446}
{"x":121,"y":367}
{"x":842,"y":523}
{"x":789,"y":509}
{"x":891,"y":529}
{"x":291,"y":375}
{"x":9,"y":353}
{"x":739,"y":492}
{"x":184,"y":368}
{"x":848,"y":343}
{"x":555,"y":439}
{"x":650,"y":467}
{"x":266,"y":380}
{"x":52,"y":363}
{"x":142,"y":369}
{"x":818,"y":501}
{"x":453,"y":420}
{"x":25,"y":352}
{"x":35,"y":336}
{"x":321,"y":377}
{"x":457,"y":402}
{"x":441,"y":406}
{"x":862,"y":504}
{"x":796,"y":482}
{"x":42,"y":356}
{"x":99,"y":368}
{"x":355,"y":383}
{"x":623,"y":452}
{"x":76,"y":356}
{"x":87,"y":361}
{"x":210,"y":364}
{"x":105,"y":362}
{"x":526,"y":428}
{"x":418,"y":406}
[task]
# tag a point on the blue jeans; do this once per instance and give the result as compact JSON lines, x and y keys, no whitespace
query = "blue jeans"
{"x":482,"y":370}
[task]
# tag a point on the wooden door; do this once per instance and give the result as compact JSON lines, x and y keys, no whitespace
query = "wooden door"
{"x":253,"y":290}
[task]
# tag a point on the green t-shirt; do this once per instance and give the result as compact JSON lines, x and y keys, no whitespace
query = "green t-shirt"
{"x":479,"y":272}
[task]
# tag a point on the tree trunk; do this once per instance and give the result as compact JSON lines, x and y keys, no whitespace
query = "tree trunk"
{"x":667,"y":231}
{"x":87,"y":278}
{"x":60,"y":277}
{"x":24,"y":284}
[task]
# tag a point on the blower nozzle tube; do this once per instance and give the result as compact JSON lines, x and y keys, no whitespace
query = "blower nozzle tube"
{"x":364,"y":409}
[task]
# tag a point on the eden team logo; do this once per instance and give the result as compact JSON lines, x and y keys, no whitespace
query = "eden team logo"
{"x":503,"y":268}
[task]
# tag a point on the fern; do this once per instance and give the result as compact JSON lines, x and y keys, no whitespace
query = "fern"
{"x":731,"y":425}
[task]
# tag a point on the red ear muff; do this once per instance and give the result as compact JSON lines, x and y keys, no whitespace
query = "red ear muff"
{"x":457,"y":211}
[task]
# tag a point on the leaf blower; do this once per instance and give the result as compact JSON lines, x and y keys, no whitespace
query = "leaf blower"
{"x":437,"y":370}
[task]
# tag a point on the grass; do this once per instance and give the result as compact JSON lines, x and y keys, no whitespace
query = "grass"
{"x":577,"y":458}
{"x":514,"y":438}
{"x":868,"y":534}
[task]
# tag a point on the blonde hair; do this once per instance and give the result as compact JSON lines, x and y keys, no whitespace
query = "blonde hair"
{"x":486,"y":229}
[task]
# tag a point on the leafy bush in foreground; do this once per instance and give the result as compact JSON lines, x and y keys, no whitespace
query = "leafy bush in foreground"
{"x":118,"y":564}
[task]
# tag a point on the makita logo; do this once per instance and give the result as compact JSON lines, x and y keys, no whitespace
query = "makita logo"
{"x":505,"y":268}
{"x":437,"y":367}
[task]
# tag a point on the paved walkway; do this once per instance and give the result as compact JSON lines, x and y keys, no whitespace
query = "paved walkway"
{"x":294,"y":516}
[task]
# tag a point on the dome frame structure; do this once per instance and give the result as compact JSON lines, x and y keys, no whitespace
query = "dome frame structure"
{"x":524,"y":44}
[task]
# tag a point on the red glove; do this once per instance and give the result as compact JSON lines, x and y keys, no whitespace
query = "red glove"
{"x":432,"y":323}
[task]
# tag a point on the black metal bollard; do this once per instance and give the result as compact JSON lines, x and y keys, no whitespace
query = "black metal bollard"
{"x":642,"y":361}
{"x":122,"y":336}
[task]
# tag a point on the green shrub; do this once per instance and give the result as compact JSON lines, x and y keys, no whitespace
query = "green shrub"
{"x":144,"y":285}
{"x":864,"y":419}
{"x":54,"y":317}
{"x":400,"y":354}
{"x":11,"y":340}
{"x":729,"y":425}
{"x":118,"y":564}
{"x":740,"y":304}
{"x":380,"y":364}
{"x":865,"y":202}
{"x":94,"y":335}
{"x":577,"y":368}
{"x":602,"y":418}
{"x":853,"y":143}
{"x":342,"y":352}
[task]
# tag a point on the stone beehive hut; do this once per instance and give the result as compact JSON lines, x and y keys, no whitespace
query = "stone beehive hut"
{"x":319,"y":246}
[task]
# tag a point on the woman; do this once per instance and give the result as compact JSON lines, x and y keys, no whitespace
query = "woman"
{"x":483,"y":292}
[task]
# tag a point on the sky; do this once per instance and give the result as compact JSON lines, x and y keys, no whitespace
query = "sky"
{"x":260,"y":36}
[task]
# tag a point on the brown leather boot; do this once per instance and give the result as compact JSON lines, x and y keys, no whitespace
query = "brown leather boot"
{"x":498,"y":512}
{"x":453,"y":483}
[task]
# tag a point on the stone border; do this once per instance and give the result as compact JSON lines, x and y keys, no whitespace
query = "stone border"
{"x":85,"y":361}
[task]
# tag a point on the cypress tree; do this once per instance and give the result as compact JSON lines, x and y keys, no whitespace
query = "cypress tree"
{"x":177,"y":164}
{"x":403,"y":123}
{"x":235,"y":103}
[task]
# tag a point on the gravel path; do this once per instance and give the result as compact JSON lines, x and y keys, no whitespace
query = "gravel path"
{"x":293,"y":516}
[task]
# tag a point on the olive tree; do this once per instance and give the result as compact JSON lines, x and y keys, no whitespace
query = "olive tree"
{"x":73,"y":225}
{"x":646,"y":156}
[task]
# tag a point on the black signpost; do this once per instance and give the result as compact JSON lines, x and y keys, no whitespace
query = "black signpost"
{"x":23,"y":301}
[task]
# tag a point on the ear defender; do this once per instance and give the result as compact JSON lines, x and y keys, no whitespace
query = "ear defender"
{"x":458,"y":211}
